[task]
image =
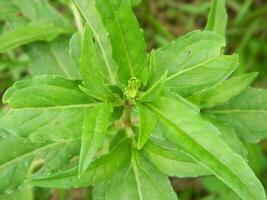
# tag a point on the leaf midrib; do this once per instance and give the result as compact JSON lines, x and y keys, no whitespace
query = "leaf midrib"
{"x":191,"y":68}
{"x":59,"y":107}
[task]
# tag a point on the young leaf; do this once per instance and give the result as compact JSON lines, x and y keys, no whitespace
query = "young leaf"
{"x":93,"y":18}
{"x":173,"y":162}
{"x":100,"y":170}
{"x":217,"y":20}
{"x":129,"y":49}
{"x":147,"y":124}
{"x":139,"y":181}
{"x":195,"y":136}
{"x":202,"y":76}
{"x":225,"y":91}
{"x":53,"y":59}
{"x":27,"y":34}
{"x":17,"y":163}
{"x":246,"y":113}
{"x":46,"y":108}
{"x":186,"y":52}
{"x":91,"y":69}
{"x":95,"y":125}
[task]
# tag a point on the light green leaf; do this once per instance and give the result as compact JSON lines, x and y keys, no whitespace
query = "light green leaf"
{"x":202,"y":76}
{"x":173,"y":162}
{"x":229,"y":136}
{"x":75,"y":49}
{"x":225,"y":91}
{"x":45,"y":91}
{"x":217,"y":20}
{"x":186,"y":52}
{"x":53,"y":59}
{"x":27,"y":34}
{"x":95,"y":126}
{"x":139,"y":181}
{"x":92,"y":72}
{"x":147,"y":124}
{"x":46,"y":108}
{"x":93,"y":18}
{"x":22,"y":156}
{"x":246,"y":113}
{"x":100,"y":170}
{"x":129,"y":49}
{"x":40,"y":10}
{"x":197,"y":137}
{"x":26,"y":194}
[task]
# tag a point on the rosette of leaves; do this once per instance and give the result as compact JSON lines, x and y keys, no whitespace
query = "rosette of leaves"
{"x":135,"y":118}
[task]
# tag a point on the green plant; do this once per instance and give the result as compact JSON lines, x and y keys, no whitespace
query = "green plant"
{"x":134,"y":118}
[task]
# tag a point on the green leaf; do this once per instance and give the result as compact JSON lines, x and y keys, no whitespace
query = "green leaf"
{"x":129,"y":49}
{"x":173,"y":162}
{"x":93,"y":18}
{"x":46,"y":108}
{"x":198,"y":137}
{"x":75,"y":48}
{"x":186,"y":52}
{"x":95,"y":126}
{"x":100,"y":170}
{"x":21,"y":158}
{"x":41,"y":11}
{"x":26,"y":194}
{"x":229,"y":136}
{"x":136,"y":2}
{"x":91,"y":69}
{"x":53,"y":59}
{"x":225,"y":91}
{"x":27,"y":34}
{"x":147,"y":124}
{"x":203,"y":76}
{"x":139,"y":181}
{"x":217,"y":20}
{"x":246,"y":113}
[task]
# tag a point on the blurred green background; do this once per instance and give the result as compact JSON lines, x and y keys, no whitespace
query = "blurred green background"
{"x":162,"y":21}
